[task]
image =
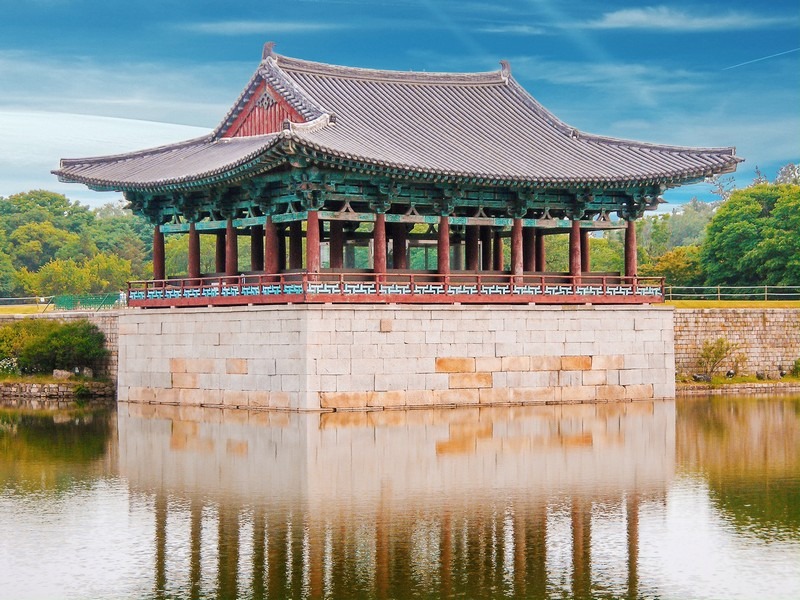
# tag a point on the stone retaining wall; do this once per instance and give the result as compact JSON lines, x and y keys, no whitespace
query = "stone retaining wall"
{"x":768,"y":339}
{"x":336,"y":357}
{"x":106,"y":321}
{"x":54,"y":395}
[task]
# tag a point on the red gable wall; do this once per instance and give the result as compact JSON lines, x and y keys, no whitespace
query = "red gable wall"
{"x":264,"y":113}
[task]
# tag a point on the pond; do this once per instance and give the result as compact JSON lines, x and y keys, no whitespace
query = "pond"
{"x":697,"y":498}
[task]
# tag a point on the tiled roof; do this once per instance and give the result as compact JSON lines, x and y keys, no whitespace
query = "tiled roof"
{"x":473,"y":125}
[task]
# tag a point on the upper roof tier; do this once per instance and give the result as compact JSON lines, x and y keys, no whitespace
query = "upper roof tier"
{"x":453,"y":126}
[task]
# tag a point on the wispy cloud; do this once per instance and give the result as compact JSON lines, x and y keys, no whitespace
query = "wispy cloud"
{"x":227,"y":28}
{"x":664,"y":18}
{"x":513,"y":29}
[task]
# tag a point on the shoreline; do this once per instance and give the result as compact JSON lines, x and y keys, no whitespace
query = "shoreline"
{"x":755,"y":388}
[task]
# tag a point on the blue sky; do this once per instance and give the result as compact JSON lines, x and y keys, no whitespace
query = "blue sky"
{"x":92,"y":77}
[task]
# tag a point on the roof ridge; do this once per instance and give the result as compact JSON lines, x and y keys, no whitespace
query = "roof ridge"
{"x":286,"y":63}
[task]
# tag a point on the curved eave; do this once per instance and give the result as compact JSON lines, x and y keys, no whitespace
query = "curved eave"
{"x":727,"y":164}
{"x":80,"y":170}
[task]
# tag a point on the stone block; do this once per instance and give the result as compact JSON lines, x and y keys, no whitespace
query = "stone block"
{"x":490,"y":363}
{"x":631,"y":377}
{"x":545,"y":363}
{"x":456,"y":396}
{"x":345,"y":400}
{"x":235,"y":398}
{"x":455,"y":365}
{"x":495,"y":396}
{"x":595,"y":378}
{"x":516,"y":363}
{"x":236,"y":366}
{"x":610,"y":393}
{"x":390,"y":399}
{"x":420,"y":398}
{"x":470,"y":380}
{"x":534,"y":395}
{"x":576,"y":363}
{"x":390,"y":381}
{"x":570,"y":378}
{"x":581,"y":393}
{"x":639,"y":392}
{"x":184,"y":380}
{"x":201,"y":365}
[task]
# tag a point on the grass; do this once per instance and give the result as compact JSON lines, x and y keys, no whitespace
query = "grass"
{"x":721,"y":380}
{"x":734,"y":303}
{"x":24,"y":309}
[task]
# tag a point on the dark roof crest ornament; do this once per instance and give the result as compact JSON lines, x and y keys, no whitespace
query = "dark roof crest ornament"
{"x":268,"y":50}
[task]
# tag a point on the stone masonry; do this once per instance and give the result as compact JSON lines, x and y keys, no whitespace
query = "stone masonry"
{"x":767,"y":339}
{"x":340,"y":357}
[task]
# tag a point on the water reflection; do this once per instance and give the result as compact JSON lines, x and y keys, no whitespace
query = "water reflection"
{"x":512,"y":501}
{"x":635,"y":500}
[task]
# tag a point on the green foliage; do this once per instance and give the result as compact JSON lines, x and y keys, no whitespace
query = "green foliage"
{"x":795,"y":372}
{"x":713,"y":354}
{"x":753,"y":238}
{"x":679,"y":266}
{"x":41,"y":345}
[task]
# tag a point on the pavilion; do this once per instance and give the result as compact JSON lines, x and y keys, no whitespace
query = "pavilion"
{"x":314,"y":161}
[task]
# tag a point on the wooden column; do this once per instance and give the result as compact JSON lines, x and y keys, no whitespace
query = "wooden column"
{"x":337,"y":244}
{"x":219,"y":253}
{"x":575,"y":248}
{"x":160,"y":543}
{"x":257,"y":248}
{"x":312,"y":242}
{"x":471,"y":247}
{"x":528,"y":249}
{"x":379,"y":244}
{"x":399,"y":246}
{"x":194,"y":252}
{"x":497,"y":251}
{"x":630,"y":249}
{"x":159,"y":269}
{"x":195,"y":545}
{"x":271,"y":248}
{"x":586,"y":257}
{"x":516,"y":247}
{"x":295,"y":245}
{"x":486,"y":248}
{"x":231,"y":249}
{"x":443,"y":248}
{"x":541,"y":256}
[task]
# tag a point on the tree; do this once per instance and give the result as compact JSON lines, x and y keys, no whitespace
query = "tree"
{"x":56,"y":277}
{"x":679,"y":266}
{"x":753,"y":237}
{"x":108,"y":273}
{"x":40,"y":206}
{"x":789,"y":174}
{"x":34,"y":244}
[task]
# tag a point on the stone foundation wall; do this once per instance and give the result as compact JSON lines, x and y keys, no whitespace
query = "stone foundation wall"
{"x":55,"y":395}
{"x":336,"y":357}
{"x":768,"y":340}
{"x":106,"y":321}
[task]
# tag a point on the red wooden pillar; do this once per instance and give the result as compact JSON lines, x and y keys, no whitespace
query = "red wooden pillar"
{"x":486,"y":248}
{"x":282,"y":262}
{"x":337,"y":244}
{"x":379,"y":244}
{"x":257,"y":248}
{"x":295,"y":245}
{"x":471,"y":247}
{"x":443,"y":247}
{"x":399,"y":244}
{"x":516,"y":247}
{"x":219,"y":253}
{"x":231,"y":249}
{"x":528,"y":249}
{"x":312,"y":242}
{"x":541,"y":255}
{"x":272,"y":263}
{"x":497,"y":251}
{"x":159,"y":269}
{"x":586,"y":257}
{"x":575,"y":248}
{"x":630,"y":249}
{"x":194,"y":252}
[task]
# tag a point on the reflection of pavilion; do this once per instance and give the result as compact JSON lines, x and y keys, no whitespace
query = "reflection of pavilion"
{"x":513,"y":501}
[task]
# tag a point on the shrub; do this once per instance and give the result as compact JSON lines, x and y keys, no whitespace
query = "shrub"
{"x":41,"y":345}
{"x":795,"y":372}
{"x":713,"y":354}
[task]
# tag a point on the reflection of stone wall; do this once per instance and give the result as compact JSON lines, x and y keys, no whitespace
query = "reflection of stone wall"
{"x":356,"y":357}
{"x":345,"y":457}
{"x":768,"y":339}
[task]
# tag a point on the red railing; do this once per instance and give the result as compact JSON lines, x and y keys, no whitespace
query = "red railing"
{"x":397,"y":287}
